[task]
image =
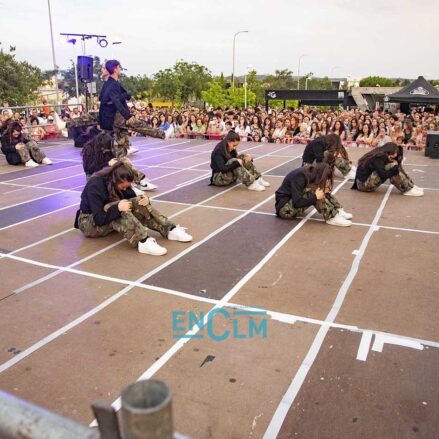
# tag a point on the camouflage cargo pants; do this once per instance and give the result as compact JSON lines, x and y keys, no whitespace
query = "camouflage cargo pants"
{"x":29,"y":151}
{"x":343,"y":165}
{"x":246,"y":173}
{"x":328,"y":207}
{"x":86,"y":119}
{"x":132,"y":225}
{"x":121,"y":128}
{"x":401,"y":181}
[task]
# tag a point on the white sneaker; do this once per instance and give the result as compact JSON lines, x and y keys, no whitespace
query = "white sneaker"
{"x":31,"y":164}
{"x":179,"y":234}
{"x":414,"y":192}
{"x":255,"y":186}
{"x":47,"y":161}
{"x":132,"y":150}
{"x":351,"y":174}
{"x":263,"y":182}
{"x":420,"y":189}
{"x":338,"y":220}
{"x":147,"y":185}
{"x":344,"y":214}
{"x":137,"y":191}
{"x":150,"y":247}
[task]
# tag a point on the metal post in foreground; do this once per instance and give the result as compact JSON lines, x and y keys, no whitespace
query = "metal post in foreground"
{"x":146,"y":411}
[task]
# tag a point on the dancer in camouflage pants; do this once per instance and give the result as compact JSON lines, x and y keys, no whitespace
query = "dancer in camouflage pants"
{"x":132,"y":225}
{"x":401,"y":181}
{"x":328,"y":207}
{"x":30,"y":150}
{"x":120,"y":129}
{"x":247,"y":173}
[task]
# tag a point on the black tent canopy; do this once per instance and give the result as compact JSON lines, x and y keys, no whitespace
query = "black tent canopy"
{"x":420,"y":91}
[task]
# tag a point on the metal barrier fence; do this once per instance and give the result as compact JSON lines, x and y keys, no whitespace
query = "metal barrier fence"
{"x":294,"y":140}
{"x":146,"y":413}
{"x":28,"y":108}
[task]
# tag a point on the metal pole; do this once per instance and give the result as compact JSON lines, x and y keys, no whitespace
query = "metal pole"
{"x":245,"y":91}
{"x":55,"y":67}
{"x":233,"y":65}
{"x":146,"y":411}
{"x":75,"y":64}
{"x":19,"y":419}
{"x":298,"y":71}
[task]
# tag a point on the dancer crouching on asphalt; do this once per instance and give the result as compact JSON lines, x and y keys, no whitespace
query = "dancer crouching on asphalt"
{"x":98,"y":154}
{"x":380,"y":164}
{"x":307,"y":186}
{"x":109,"y":204}
{"x":319,"y":149}
{"x":19,"y":149}
{"x":228,"y":166}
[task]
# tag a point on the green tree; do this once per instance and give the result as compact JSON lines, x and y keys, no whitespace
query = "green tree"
{"x":256,"y":86}
{"x":373,"y":81}
{"x":192,"y":79}
{"x":139,"y":86}
{"x":216,"y":94}
{"x":237,"y":97}
{"x":282,"y":79}
{"x":18,"y":79}
{"x":166,"y":85}
{"x":318,"y":83}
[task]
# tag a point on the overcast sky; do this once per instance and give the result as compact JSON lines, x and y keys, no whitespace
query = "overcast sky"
{"x":394,"y":38}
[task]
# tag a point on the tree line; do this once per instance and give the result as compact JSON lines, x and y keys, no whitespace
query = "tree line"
{"x":184,"y":82}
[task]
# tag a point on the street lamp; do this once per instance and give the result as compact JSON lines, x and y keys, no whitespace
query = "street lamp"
{"x":247,"y":71}
{"x":298,"y":71}
{"x":233,"y":65}
{"x":75,"y":66}
{"x":306,"y":80}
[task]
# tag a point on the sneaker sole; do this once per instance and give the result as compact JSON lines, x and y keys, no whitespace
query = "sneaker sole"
{"x":339,"y":225}
{"x":153,"y":254}
{"x":179,"y":240}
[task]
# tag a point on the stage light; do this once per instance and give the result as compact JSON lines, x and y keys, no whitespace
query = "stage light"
{"x":72,"y":40}
{"x":102,"y":42}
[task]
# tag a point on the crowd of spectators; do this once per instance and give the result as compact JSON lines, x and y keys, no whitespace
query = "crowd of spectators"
{"x":371,"y":128}
{"x":294,"y":126}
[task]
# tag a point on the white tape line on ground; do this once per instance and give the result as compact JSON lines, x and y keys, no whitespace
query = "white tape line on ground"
{"x":290,"y":395}
{"x":364,"y":347}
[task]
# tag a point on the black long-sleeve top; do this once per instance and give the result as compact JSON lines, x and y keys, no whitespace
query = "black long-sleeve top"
{"x":95,"y":196}
{"x":91,"y":168}
{"x":220,"y":156}
{"x":8,"y":147}
{"x":377,"y":164}
{"x":293,"y":188}
{"x":314,"y":151}
{"x":113,"y":98}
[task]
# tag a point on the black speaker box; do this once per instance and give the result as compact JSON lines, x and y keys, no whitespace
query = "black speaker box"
{"x":85,"y":68}
{"x":432,"y":147}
